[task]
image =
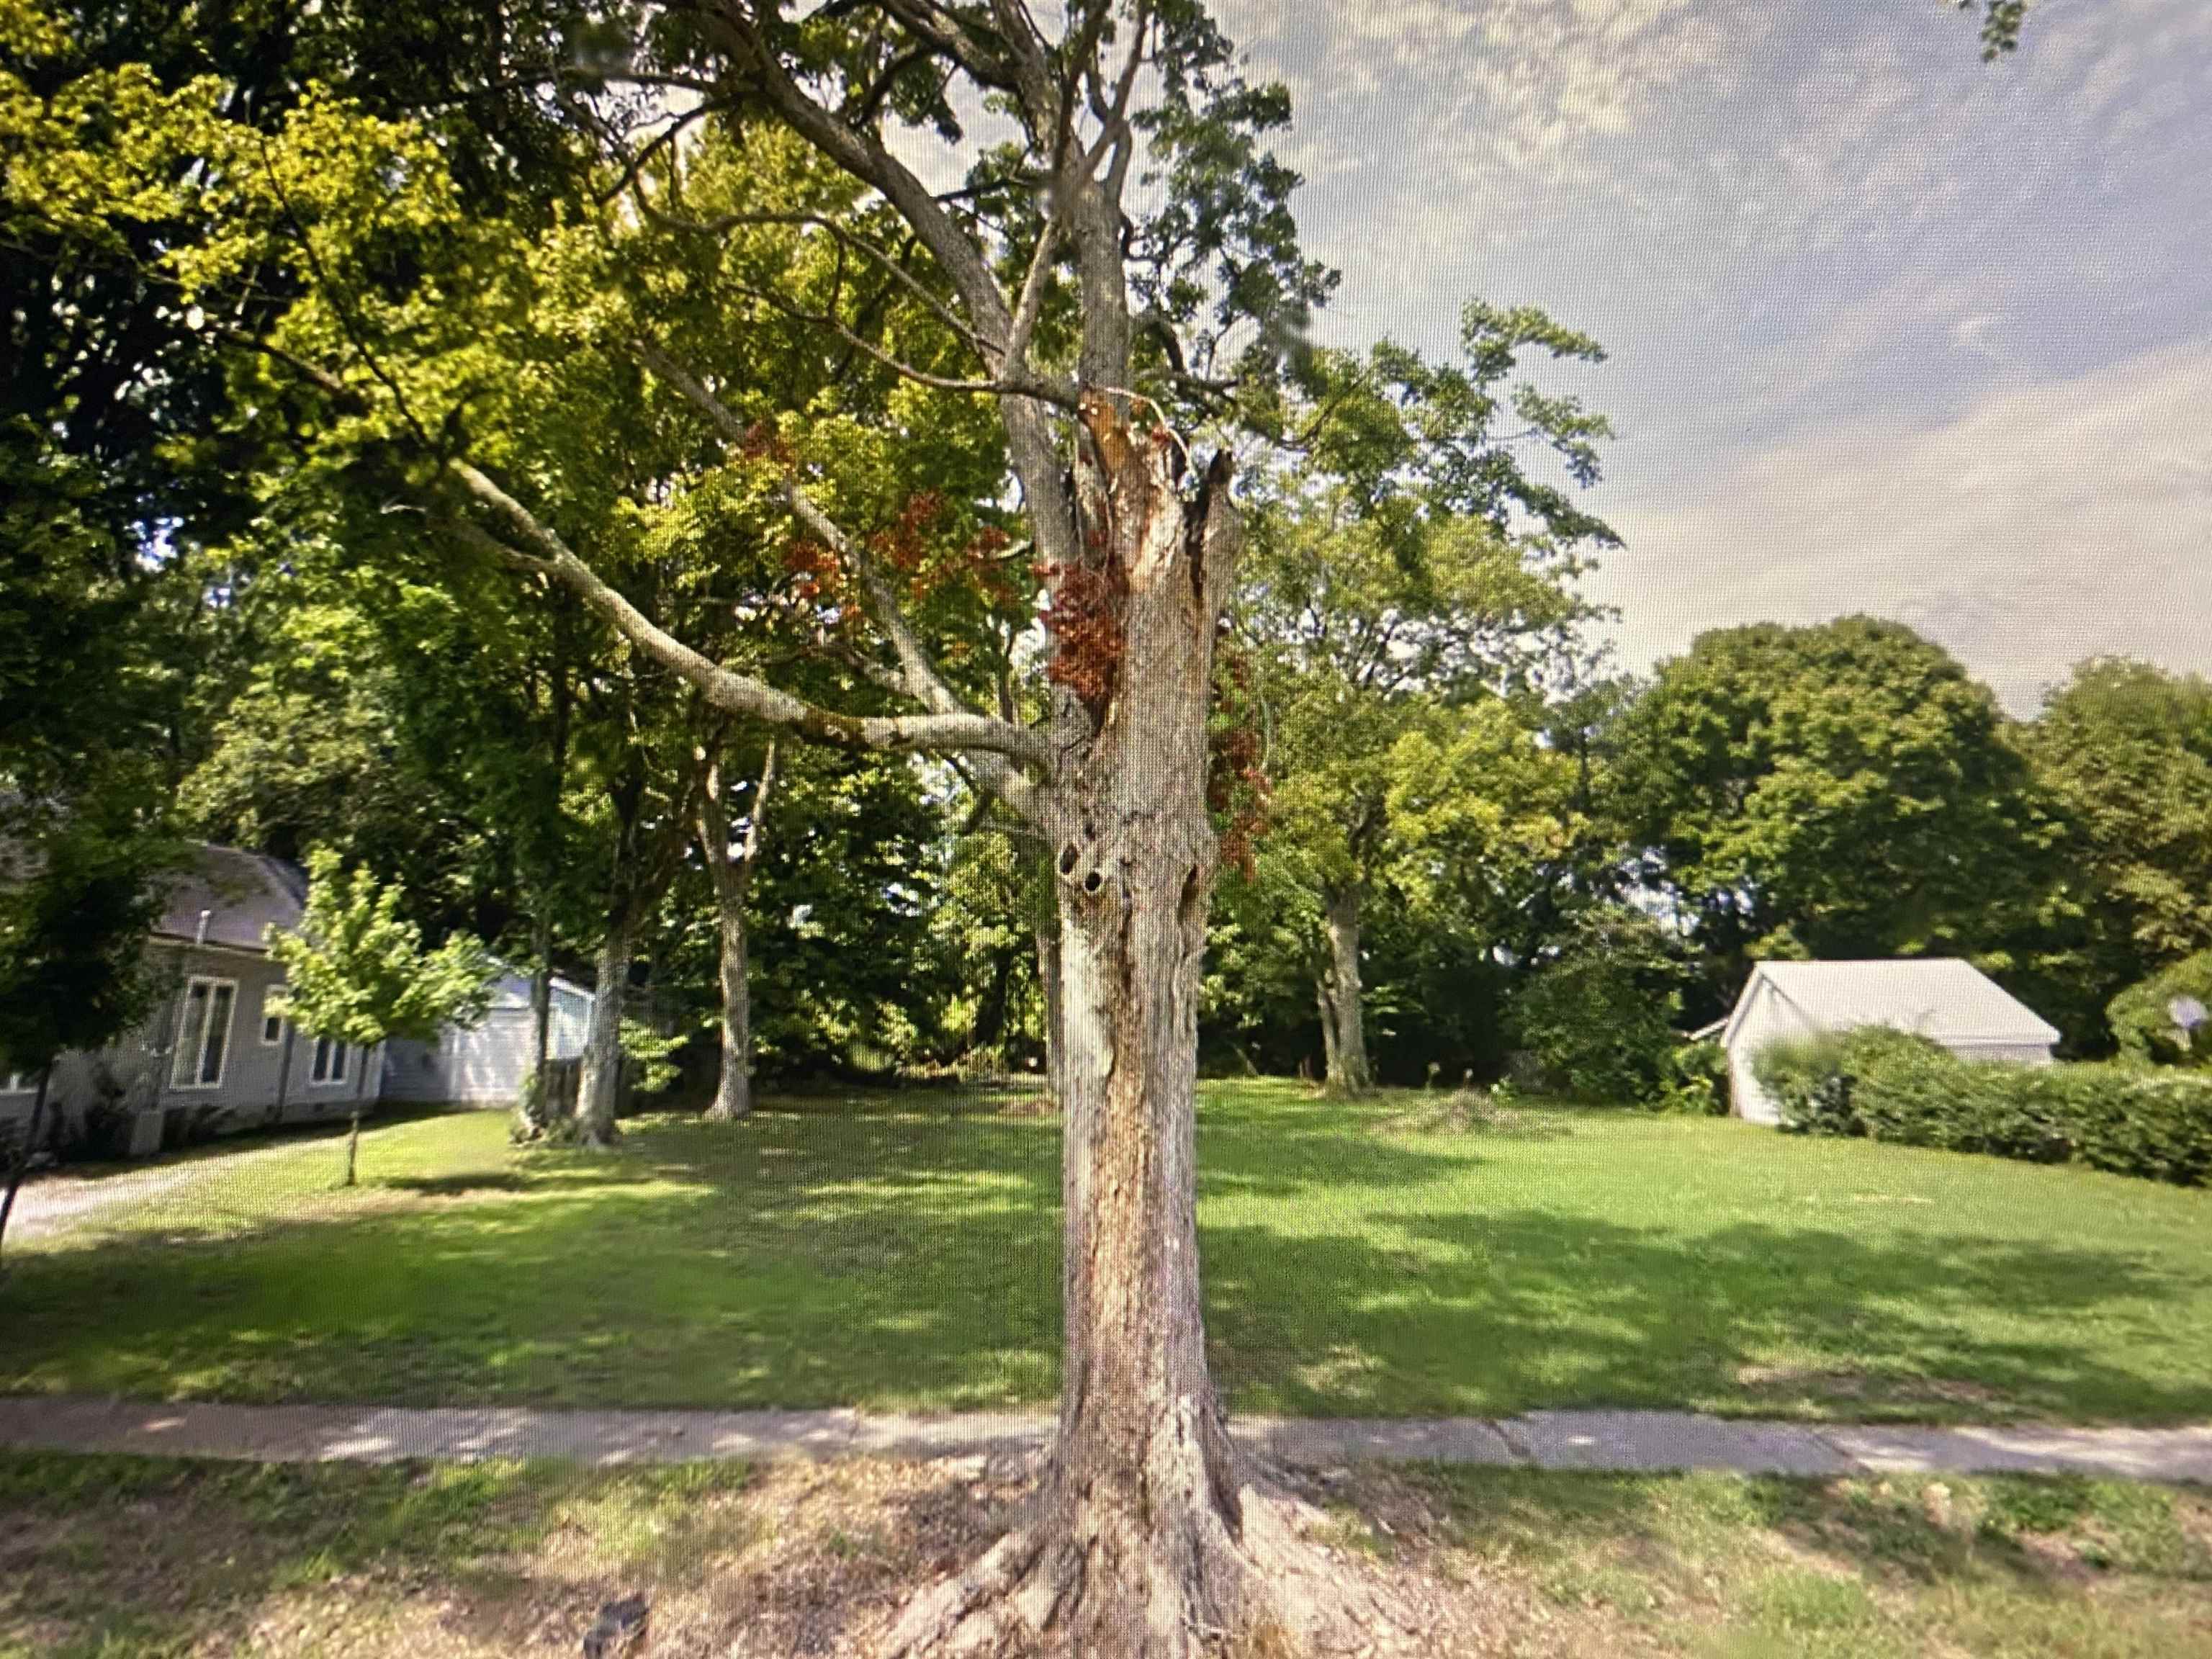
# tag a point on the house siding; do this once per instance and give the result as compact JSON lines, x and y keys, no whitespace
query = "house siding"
{"x":485,"y":1064}
{"x":261,"y":1084}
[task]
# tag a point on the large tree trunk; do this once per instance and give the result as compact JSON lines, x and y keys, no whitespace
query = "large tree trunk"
{"x":1344,"y":1024}
{"x":1150,"y":1538}
{"x":601,"y":1083}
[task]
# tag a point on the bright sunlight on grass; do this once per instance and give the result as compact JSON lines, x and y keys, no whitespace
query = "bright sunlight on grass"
{"x":901,"y":1251}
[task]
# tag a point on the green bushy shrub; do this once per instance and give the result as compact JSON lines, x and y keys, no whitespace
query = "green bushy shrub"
{"x":1892,"y":1085}
{"x":1696,"y":1080}
{"x":2142,"y":1017}
{"x":1598,"y":1019}
{"x":1810,"y":1083}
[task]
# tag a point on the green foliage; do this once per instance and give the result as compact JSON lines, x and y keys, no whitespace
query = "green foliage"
{"x":79,"y":892}
{"x":2142,"y":1017}
{"x":357,"y":971}
{"x":1598,"y":1016}
{"x":1808,"y":1082}
{"x":655,"y":1054}
{"x":1844,"y":790}
{"x":1696,"y":1079}
{"x":2124,"y":751}
{"x":1897,"y":1086}
{"x":2001,"y":21}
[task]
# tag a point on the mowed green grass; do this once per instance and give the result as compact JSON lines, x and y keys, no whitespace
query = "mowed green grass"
{"x":902,"y":1251}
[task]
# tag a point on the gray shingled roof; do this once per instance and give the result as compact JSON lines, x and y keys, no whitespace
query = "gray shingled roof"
{"x":1940,"y":997}
{"x":244,"y":894}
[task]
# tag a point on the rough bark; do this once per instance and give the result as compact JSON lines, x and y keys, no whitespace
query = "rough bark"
{"x":731,"y":872}
{"x":1343,"y":1019}
{"x":600,"y":1084}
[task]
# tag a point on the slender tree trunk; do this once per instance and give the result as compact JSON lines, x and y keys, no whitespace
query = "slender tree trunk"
{"x":734,"y":1088}
{"x":733,"y":874}
{"x":537,"y":1107}
{"x":1325,"y":1004}
{"x":601,"y":1082}
{"x":21,"y":1163}
{"x":284,"y":1071}
{"x":536,"y":1110}
{"x":1049,"y":980}
{"x":353,"y":1132}
{"x":1349,"y":1069}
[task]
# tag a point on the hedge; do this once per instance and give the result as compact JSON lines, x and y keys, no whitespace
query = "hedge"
{"x":1892,"y":1085}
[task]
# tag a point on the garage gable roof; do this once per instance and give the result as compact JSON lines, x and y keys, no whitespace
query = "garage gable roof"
{"x":1944,"y":998}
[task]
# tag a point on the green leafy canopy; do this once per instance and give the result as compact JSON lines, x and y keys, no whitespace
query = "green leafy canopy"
{"x":358,"y":972}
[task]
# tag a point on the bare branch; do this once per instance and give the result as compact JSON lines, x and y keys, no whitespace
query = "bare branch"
{"x":637,"y":164}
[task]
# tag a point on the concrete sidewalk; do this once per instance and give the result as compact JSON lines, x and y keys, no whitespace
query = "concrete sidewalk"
{"x":1550,"y":1440}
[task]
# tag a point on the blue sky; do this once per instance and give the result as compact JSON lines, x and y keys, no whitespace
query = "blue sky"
{"x":1890,"y":329}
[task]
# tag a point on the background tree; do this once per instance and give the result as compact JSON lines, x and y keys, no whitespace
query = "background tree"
{"x":1408,"y":561}
{"x":79,"y":892}
{"x":358,"y":972}
{"x":1597,"y":1015}
{"x":2124,"y":751}
{"x":731,"y":857}
{"x":2164,"y":1018}
{"x":1841,"y":790}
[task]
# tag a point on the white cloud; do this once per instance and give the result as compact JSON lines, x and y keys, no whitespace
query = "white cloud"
{"x":2048,"y":523}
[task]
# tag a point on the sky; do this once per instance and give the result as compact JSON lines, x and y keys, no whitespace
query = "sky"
{"x":1889,"y":329}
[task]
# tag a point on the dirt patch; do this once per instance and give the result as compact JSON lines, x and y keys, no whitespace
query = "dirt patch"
{"x":467,"y":1562}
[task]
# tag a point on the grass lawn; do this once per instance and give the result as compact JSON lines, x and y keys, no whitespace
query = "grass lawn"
{"x":898,"y":1251}
{"x":118,"y":1558}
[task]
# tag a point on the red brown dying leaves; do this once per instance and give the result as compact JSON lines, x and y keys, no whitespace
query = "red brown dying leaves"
{"x":1237,"y":788}
{"x":1085,"y":621}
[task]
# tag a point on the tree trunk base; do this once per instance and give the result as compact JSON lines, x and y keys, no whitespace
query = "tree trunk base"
{"x":1102,"y":1580}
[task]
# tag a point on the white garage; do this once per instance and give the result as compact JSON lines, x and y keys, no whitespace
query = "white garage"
{"x":1943,"y":999}
{"x":485,"y":1064}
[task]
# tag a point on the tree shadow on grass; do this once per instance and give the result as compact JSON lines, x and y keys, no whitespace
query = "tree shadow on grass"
{"x":1502,"y":1312}
{"x":895,"y":1258}
{"x":1723,"y":1549}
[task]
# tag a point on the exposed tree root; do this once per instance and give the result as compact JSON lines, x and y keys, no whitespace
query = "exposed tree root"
{"x":1256,"y":1580}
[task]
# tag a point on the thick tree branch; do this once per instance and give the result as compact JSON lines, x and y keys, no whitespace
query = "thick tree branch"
{"x":725,"y":688}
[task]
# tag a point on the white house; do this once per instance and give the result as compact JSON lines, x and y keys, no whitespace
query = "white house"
{"x":483,"y":1064}
{"x":212,"y":1055}
{"x":1941,"y":998}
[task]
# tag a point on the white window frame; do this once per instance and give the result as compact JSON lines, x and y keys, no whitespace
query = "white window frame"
{"x":195,"y":1083}
{"x":268,"y":1017}
{"x":341,"y":1052}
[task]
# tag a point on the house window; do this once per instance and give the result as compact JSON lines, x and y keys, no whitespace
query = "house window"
{"x":272,"y":1022}
{"x":330,"y":1065}
{"x":203,"y":1034}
